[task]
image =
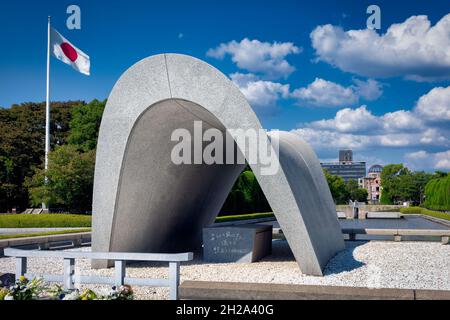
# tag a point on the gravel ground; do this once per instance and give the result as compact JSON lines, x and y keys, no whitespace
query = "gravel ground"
{"x":375,"y":264}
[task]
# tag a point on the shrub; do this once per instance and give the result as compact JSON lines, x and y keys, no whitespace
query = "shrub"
{"x":427,"y":212}
{"x":437,"y":193}
{"x":411,"y":210}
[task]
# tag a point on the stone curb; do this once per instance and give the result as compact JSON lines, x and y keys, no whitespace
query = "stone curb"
{"x":239,"y":222}
{"x":44,"y":241}
{"x":206,"y":290}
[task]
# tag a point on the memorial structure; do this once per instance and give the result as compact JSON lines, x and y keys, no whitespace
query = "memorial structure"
{"x":144,"y":202}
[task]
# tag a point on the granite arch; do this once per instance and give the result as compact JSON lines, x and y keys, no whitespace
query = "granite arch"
{"x":145,"y":203}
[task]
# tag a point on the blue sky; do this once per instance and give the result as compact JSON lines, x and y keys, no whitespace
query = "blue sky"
{"x":386,"y":94}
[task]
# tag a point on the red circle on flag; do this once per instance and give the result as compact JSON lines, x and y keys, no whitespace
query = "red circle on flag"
{"x":69,"y":51}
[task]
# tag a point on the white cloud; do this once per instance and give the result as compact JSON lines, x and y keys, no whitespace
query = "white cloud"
{"x":413,"y":49}
{"x":421,"y":160}
{"x":423,"y":132}
{"x":264,"y":58}
{"x":362,"y":120}
{"x":349,"y":121}
{"x":243,"y":79}
{"x":432,"y":107}
{"x":442,"y":160}
{"x":325,"y":139}
{"x":266,"y":62}
{"x":435,"y":105}
{"x":418,"y":155}
{"x":401,"y":120}
{"x":325,"y":94}
{"x":369,"y":90}
{"x":260,"y":93}
{"x":400,"y":130}
{"x":435,"y":136}
{"x":322,"y":140}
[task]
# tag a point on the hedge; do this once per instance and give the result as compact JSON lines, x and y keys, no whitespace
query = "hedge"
{"x":427,"y":212}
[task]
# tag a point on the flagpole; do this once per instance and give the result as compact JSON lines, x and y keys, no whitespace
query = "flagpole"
{"x":47,"y":108}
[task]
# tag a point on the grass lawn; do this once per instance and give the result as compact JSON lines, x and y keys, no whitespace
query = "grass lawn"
{"x":37,"y":234}
{"x":244,"y":217}
{"x":44,"y":221}
{"x":427,"y":212}
{"x":81,"y":221}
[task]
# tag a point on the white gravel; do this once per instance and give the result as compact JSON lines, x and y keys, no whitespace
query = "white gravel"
{"x":375,"y":264}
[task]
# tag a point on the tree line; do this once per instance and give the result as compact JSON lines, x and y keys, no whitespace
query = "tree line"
{"x":343,"y":191}
{"x":74,"y":130}
{"x":430,"y":190}
{"x":22,"y":137}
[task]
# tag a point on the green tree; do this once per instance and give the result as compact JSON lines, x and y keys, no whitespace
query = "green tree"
{"x":437,"y":192}
{"x":7,"y":189}
{"x":85,"y":125}
{"x":399,"y":184}
{"x":246,"y":196}
{"x":439,"y":174}
{"x":420,"y":180}
{"x":356,"y":193}
{"x":22,"y":146}
{"x":71,"y":169}
{"x":70,"y":180}
{"x":389,"y":183}
{"x":338,"y":188}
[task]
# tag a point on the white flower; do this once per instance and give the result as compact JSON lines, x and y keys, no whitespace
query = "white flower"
{"x":104,"y":293}
{"x":9,"y":297}
{"x":72,"y":296}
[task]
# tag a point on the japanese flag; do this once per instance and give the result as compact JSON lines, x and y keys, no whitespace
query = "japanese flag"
{"x":63,"y":50}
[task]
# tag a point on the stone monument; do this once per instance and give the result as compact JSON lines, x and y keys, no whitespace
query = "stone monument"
{"x":143,"y":202}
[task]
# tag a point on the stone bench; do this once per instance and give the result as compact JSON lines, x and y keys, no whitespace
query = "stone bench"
{"x":242,"y":243}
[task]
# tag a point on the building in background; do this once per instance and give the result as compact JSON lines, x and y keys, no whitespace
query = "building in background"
{"x":372,"y":183}
{"x":345,"y":155}
{"x":346,"y":168}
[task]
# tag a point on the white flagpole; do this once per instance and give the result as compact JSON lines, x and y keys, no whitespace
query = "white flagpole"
{"x":47,"y":107}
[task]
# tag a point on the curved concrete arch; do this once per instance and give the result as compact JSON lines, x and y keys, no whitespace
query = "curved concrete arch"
{"x":310,"y":188}
{"x":144,"y":202}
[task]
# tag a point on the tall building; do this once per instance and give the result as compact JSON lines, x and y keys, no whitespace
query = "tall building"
{"x":346,"y":168}
{"x":345,"y":155}
{"x":372,"y":183}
